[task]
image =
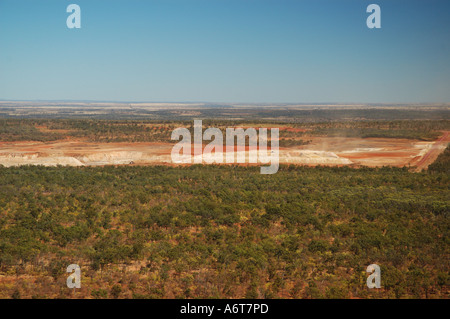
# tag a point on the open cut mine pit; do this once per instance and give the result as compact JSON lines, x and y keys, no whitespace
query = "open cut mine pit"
{"x":321,"y":151}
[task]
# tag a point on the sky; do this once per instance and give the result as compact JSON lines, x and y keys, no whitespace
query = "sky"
{"x":235,"y":51}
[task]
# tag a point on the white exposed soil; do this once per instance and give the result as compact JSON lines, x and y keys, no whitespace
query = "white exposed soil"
{"x":35,"y":159}
{"x":312,"y":157}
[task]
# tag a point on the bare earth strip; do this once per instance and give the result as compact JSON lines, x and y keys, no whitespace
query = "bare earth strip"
{"x":321,"y":151}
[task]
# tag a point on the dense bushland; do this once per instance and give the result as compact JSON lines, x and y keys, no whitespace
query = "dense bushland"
{"x":223,"y":231}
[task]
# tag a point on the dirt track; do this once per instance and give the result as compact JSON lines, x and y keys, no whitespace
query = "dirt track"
{"x":434,"y":152}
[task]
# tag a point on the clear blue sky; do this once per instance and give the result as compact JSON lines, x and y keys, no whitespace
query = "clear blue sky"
{"x":226,"y":51}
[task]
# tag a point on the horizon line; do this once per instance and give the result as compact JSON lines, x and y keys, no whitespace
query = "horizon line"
{"x":221,"y":102}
